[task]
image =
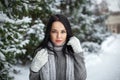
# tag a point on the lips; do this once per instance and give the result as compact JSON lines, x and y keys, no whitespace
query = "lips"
{"x":58,"y":41}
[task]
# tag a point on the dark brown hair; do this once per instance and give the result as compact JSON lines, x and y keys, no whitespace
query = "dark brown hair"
{"x":65,"y":22}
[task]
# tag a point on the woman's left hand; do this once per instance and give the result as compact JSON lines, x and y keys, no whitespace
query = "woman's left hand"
{"x":75,"y":44}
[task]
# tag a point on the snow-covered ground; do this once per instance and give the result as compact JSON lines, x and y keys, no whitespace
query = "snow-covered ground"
{"x":20,"y":72}
{"x":102,"y":66}
{"x":105,"y":65}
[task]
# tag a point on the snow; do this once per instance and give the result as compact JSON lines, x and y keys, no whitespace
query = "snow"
{"x":23,"y":43}
{"x":102,"y":66}
{"x":99,"y":1}
{"x":20,"y":72}
{"x":37,"y":29}
{"x":24,"y":20}
{"x":54,"y":8}
{"x":2,"y":57}
{"x":106,"y":65}
{"x":91,"y":47}
{"x":4,"y":18}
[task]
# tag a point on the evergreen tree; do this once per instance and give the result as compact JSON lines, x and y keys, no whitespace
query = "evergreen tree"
{"x":21,"y":29}
{"x":19,"y":10}
{"x":11,"y":42}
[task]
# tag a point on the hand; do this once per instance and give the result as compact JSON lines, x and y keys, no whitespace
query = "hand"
{"x":75,"y":44}
{"x":39,"y":60}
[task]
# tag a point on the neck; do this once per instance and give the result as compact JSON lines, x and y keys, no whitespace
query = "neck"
{"x":55,"y":47}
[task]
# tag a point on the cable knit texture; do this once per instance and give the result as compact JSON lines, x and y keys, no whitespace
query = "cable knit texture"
{"x":40,"y":59}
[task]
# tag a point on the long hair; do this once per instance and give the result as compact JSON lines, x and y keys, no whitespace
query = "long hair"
{"x":65,"y":22}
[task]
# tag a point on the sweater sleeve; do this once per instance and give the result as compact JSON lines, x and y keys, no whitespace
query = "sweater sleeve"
{"x":79,"y":67}
{"x":34,"y":75}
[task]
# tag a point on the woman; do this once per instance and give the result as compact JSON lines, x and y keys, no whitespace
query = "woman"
{"x":59,"y":56}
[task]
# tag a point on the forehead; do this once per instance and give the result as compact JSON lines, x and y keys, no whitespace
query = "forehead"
{"x":58,"y":25}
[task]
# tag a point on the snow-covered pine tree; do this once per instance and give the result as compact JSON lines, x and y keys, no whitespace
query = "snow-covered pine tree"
{"x":21,"y":28}
{"x":90,"y":28}
{"x":11,"y":40}
{"x":18,"y":13}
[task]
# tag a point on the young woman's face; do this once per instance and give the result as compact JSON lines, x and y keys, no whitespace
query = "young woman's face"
{"x":58,"y":33}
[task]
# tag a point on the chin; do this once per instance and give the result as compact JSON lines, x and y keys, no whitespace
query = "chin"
{"x":58,"y":44}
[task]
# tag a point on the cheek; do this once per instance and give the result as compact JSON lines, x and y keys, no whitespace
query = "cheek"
{"x":52,"y":37}
{"x":65,"y":37}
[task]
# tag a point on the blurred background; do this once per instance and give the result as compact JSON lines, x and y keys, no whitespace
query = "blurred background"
{"x":22,"y":25}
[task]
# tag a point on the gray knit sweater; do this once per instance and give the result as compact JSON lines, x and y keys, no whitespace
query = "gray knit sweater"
{"x":60,"y":63}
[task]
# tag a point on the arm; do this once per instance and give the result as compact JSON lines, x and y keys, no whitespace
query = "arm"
{"x":37,"y":63}
{"x":79,"y":64}
{"x":79,"y":67}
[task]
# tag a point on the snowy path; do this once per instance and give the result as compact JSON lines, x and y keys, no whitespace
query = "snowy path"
{"x":105,"y":66}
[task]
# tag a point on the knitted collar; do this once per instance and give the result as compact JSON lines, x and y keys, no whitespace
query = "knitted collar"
{"x":55,"y":47}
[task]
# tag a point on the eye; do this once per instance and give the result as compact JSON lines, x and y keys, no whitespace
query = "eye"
{"x":53,"y":31}
{"x":63,"y":31}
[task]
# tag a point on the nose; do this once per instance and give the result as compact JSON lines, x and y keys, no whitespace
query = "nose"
{"x":58,"y":35}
